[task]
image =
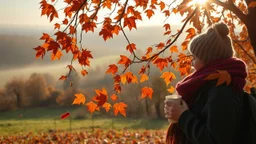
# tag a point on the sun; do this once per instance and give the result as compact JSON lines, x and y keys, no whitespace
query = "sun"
{"x":197,"y":2}
{"x":200,"y":2}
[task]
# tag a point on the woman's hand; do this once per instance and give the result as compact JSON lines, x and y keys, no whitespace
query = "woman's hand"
{"x":173,"y":110}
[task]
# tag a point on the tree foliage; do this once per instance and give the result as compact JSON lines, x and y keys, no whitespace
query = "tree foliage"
{"x":116,"y":17}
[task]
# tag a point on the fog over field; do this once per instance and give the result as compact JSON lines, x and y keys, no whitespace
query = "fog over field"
{"x":17,"y":57}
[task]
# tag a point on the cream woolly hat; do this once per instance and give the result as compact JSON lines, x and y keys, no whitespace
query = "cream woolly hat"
{"x":212,"y":45}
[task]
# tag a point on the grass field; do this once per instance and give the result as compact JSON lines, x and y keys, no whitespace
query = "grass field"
{"x":39,"y":120}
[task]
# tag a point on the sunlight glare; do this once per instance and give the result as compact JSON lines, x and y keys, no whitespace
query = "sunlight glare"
{"x":199,"y":1}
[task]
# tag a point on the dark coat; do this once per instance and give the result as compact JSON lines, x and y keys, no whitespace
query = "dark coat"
{"x":216,"y":117}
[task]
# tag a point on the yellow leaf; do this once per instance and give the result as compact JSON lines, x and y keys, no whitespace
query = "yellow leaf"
{"x":222,"y":76}
{"x":106,"y":106}
{"x":80,"y":98}
{"x":143,"y":78}
{"x":168,"y":77}
{"x":123,"y":78}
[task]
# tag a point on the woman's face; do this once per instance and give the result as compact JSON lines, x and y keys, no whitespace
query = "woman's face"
{"x":197,"y":63}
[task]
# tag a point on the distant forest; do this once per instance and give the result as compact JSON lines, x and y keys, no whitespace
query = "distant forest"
{"x":43,"y":90}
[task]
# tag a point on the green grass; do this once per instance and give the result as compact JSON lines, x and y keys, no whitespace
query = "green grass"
{"x":38,"y":120}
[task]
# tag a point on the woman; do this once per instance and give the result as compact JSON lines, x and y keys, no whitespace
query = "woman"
{"x":209,"y":114}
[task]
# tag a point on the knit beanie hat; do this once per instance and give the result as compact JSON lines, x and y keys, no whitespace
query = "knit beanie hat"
{"x":212,"y":45}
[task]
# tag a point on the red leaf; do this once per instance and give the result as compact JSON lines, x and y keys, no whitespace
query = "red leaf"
{"x":102,"y":96}
{"x":65,"y":115}
{"x":40,"y":52}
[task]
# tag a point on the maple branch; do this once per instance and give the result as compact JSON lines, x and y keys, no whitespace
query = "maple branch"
{"x":232,"y":7}
{"x":175,"y":39}
{"x":121,"y":16}
{"x":245,"y":51}
{"x":76,"y":14}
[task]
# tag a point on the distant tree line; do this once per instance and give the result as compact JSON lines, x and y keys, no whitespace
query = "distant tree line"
{"x":43,"y":90}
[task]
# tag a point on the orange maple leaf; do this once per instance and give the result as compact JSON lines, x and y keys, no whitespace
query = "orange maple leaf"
{"x":131,"y":47}
{"x":173,"y":49}
{"x":91,"y":107}
{"x":130,"y":22}
{"x":143,"y":78}
{"x":63,"y":77}
{"x":161,"y":63}
{"x":171,"y":89}
{"x":167,"y":27}
{"x":56,"y":26}
{"x":124,"y":60}
{"x":106,"y":106}
{"x":160,"y":45}
{"x":56,"y":55}
{"x":114,"y":97}
{"x":45,"y":37}
{"x":168,"y":77}
{"x":84,"y":72}
{"x":80,"y":98}
{"x":149,"y":13}
{"x":120,"y":107}
{"x":65,"y":21}
{"x":146,"y":92}
{"x":112,"y":69}
{"x":162,"y":5}
{"x":222,"y":76}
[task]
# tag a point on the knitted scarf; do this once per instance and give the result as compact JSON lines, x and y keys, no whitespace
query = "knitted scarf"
{"x":193,"y":82}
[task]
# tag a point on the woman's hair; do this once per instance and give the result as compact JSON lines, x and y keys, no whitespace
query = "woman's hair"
{"x":212,"y":45}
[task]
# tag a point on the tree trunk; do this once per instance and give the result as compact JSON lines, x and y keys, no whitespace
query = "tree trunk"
{"x":158,"y":111}
{"x":18,"y":99}
{"x":250,"y":24}
{"x":147,"y":107}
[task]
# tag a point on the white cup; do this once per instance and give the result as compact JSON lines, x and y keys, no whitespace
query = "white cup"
{"x":175,"y":98}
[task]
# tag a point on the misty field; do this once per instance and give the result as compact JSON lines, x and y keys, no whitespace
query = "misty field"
{"x":45,"y":124}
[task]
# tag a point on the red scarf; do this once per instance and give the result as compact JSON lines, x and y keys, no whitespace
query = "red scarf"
{"x":193,"y":82}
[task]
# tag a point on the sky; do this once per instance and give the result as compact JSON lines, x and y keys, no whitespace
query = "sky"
{"x":28,"y":12}
{"x":21,"y":26}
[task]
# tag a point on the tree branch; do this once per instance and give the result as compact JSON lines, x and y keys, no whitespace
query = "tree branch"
{"x":245,"y":51}
{"x":230,"y":6}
